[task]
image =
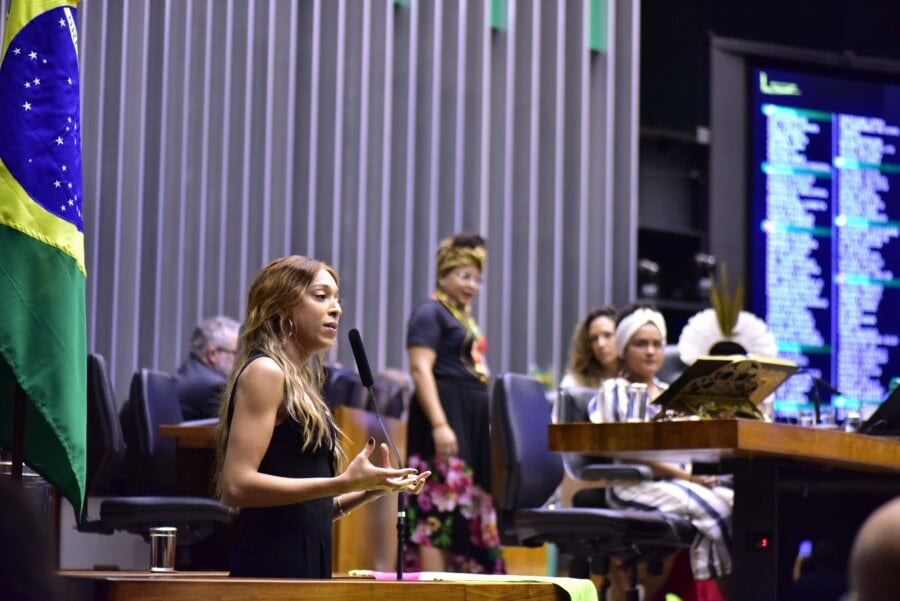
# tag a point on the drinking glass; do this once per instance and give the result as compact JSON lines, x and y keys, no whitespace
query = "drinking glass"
{"x":637,"y":402}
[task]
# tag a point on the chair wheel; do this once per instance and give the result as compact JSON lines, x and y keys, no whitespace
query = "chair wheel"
{"x":579,"y":568}
{"x":600,"y":566}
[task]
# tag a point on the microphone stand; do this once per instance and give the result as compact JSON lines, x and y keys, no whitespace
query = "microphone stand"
{"x":365,"y":375}
{"x":401,"y":532}
{"x":401,"y":501}
{"x":817,"y":381}
{"x":816,"y":402}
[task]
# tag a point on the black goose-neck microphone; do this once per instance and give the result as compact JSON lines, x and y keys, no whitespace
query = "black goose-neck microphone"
{"x":365,"y":375}
{"x":817,"y":382}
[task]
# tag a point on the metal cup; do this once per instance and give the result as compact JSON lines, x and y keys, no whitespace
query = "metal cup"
{"x":806,"y":418}
{"x":162,"y":549}
{"x":636,"y":410}
{"x":853,"y":421}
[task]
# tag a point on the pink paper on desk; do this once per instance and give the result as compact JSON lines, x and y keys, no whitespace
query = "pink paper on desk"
{"x":383,"y":575}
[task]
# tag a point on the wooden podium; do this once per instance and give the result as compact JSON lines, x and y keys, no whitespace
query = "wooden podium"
{"x":366,"y":539}
{"x":193,"y":586}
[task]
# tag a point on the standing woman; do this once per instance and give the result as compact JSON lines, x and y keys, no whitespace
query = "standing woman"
{"x":453,"y":523}
{"x":592,"y":353}
{"x":278,"y":454}
{"x":640,"y":338}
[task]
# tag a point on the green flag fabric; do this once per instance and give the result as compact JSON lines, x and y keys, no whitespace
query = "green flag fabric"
{"x":42,"y":273}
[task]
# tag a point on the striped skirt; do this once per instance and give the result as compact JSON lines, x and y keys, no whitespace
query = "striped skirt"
{"x":709,"y":509}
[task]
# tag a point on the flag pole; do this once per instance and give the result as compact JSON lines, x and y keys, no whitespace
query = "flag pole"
{"x":18,"y":450}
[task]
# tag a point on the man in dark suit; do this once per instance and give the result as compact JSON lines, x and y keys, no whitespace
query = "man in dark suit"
{"x":201,"y":378}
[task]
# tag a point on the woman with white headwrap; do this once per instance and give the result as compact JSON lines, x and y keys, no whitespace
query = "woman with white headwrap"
{"x":640,"y":338}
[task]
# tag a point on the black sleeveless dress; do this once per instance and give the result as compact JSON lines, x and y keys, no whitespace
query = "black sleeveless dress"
{"x":288,"y":541}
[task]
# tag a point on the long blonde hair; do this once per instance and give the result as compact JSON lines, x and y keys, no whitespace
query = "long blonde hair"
{"x":278,"y":289}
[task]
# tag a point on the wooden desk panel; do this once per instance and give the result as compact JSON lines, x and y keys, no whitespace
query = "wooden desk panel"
{"x":186,"y":586}
{"x":712,"y":441}
{"x":766,"y":459}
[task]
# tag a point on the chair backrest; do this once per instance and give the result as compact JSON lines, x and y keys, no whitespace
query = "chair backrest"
{"x":524,"y":473}
{"x":671,"y":367}
{"x":343,"y":388}
{"x":392,"y":398}
{"x":154,"y":402}
{"x":572,"y":403}
{"x":105,"y":443}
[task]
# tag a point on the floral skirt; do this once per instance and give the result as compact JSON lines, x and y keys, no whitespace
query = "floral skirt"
{"x":455,"y":515}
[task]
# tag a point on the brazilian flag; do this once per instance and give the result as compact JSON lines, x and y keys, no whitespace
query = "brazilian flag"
{"x":42,"y":272}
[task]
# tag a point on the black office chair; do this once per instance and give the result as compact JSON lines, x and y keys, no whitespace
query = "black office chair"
{"x":571,"y":406}
{"x":153,"y":401}
{"x":671,"y":367}
{"x":343,"y":388}
{"x":524,"y":475}
{"x":391,"y":397}
{"x":194,"y":517}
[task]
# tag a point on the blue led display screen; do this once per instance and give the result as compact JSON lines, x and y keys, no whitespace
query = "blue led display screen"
{"x":825,"y":221}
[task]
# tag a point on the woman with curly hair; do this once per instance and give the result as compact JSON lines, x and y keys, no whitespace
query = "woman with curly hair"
{"x":592,"y":354}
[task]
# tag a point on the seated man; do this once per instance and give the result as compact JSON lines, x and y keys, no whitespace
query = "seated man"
{"x":201,"y":378}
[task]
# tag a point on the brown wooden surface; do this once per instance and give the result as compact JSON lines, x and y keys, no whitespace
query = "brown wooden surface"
{"x":766,"y":459}
{"x":367,"y":538}
{"x":195,"y":586}
{"x":191,"y":436}
{"x":715,"y":440}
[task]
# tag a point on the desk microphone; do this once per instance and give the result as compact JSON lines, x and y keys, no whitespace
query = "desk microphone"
{"x":817,"y":382}
{"x":365,"y":375}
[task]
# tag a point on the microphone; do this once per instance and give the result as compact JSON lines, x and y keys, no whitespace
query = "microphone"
{"x":817,"y":382}
{"x":365,"y":375}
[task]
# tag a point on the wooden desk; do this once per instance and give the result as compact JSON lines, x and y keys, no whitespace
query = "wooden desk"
{"x":765,"y":458}
{"x":366,"y":539}
{"x":188,"y":586}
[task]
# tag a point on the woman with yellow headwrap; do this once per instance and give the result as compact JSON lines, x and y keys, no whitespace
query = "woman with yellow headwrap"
{"x":453,"y":523}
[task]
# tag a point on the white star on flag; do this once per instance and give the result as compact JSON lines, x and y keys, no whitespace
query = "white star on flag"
{"x":59,"y":141}
{"x":32,"y":55}
{"x":27,"y":106}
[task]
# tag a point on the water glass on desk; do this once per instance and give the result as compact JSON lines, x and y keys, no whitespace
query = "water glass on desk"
{"x":852,"y":421}
{"x":162,"y":549}
{"x":806,"y":418}
{"x":827,"y":417}
{"x":636,"y":410}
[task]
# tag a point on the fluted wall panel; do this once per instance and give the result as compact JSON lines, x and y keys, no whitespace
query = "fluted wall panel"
{"x":220,"y":134}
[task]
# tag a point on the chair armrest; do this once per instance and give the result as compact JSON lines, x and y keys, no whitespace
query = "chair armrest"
{"x":615,"y":471}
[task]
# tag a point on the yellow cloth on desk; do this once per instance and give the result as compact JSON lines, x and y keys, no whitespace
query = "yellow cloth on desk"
{"x":578,"y":589}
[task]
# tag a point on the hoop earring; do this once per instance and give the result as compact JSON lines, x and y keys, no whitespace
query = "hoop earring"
{"x":291,"y":333}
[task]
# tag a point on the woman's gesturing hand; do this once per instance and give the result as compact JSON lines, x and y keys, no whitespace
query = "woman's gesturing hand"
{"x":413,"y":488}
{"x":364,"y":475}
